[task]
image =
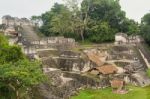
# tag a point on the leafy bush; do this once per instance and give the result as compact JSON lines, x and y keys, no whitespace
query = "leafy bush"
{"x":17,"y":74}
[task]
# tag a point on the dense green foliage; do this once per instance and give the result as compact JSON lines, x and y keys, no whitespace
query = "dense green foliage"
{"x":3,"y":41}
{"x":145,"y":27}
{"x":95,"y":21}
{"x":17,"y":74}
{"x":57,"y":21}
{"x":134,"y":93}
{"x":10,"y":54}
{"x":19,"y":77}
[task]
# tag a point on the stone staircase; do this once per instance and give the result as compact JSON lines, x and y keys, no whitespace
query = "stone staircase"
{"x":29,"y":33}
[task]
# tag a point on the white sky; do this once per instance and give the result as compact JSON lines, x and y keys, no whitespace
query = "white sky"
{"x":135,"y":9}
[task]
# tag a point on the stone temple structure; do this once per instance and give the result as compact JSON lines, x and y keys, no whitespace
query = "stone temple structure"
{"x":123,"y":38}
{"x":15,"y":21}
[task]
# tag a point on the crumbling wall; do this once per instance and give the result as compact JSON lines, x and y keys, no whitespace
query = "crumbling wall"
{"x":60,"y":43}
{"x":58,"y":90}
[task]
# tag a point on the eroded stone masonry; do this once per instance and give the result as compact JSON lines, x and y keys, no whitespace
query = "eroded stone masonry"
{"x":70,"y":66}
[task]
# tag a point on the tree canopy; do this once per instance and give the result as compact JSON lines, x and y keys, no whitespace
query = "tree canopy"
{"x":17,"y":73}
{"x":95,"y":20}
{"x":145,"y":27}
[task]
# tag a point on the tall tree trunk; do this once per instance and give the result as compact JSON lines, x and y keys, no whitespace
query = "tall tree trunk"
{"x":82,"y":36}
{"x":15,"y":90}
{"x":17,"y":94}
{"x":84,"y":24}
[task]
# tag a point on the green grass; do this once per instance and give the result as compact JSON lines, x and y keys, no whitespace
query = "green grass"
{"x":134,"y":93}
{"x":85,"y":42}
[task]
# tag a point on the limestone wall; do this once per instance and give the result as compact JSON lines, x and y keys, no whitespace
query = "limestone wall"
{"x":12,"y":21}
{"x":55,"y":42}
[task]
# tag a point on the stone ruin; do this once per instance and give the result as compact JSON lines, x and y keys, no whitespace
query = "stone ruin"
{"x":66,"y":70}
{"x":15,"y":21}
{"x":123,"y":38}
{"x":130,"y":60}
{"x":96,"y":67}
{"x":86,"y":68}
{"x":59,"y":43}
{"x":55,"y":42}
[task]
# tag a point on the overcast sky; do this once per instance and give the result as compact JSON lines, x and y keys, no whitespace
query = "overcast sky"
{"x":135,"y":9}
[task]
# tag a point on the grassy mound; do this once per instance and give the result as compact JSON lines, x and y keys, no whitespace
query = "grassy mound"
{"x":134,"y":93}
